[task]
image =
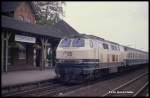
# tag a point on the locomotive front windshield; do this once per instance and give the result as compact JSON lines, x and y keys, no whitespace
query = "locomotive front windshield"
{"x":77,"y":42}
{"x":65,"y":43}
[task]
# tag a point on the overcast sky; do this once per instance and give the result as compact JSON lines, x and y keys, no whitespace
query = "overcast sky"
{"x":123,"y":22}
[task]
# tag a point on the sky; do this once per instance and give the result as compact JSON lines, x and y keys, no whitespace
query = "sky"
{"x":125,"y":23}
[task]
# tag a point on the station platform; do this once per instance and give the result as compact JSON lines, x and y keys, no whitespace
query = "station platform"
{"x":22,"y":77}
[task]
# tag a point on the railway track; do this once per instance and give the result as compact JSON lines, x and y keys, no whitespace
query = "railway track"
{"x":130,"y":88}
{"x":58,"y":91}
{"x":20,"y":90}
{"x":140,"y":91}
{"x":56,"y":88}
{"x":49,"y":89}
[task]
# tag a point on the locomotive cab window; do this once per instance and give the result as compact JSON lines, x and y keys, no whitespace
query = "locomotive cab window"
{"x":65,"y":43}
{"x":78,"y":42}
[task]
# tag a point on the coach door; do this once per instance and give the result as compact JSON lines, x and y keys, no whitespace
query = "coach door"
{"x":108,"y":59}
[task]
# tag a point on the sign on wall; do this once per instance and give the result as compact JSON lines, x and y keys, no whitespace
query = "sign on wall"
{"x":22,"y":38}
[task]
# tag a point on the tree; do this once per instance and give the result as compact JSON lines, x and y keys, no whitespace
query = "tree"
{"x":48,"y":12}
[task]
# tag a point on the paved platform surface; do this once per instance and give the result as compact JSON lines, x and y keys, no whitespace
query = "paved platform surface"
{"x":20,"y":77}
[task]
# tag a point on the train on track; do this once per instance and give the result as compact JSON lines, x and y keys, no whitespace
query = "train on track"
{"x":85,"y":57}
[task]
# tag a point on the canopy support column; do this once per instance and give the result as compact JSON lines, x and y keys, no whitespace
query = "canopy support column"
{"x":5,"y":42}
{"x":2,"y":52}
{"x":44,"y":52}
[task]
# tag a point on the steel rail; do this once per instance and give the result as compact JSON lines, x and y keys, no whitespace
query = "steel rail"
{"x":141,"y":89}
{"x":125,"y":84}
{"x":49,"y":85}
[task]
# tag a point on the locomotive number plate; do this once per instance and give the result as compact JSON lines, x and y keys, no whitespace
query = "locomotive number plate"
{"x":68,"y":53}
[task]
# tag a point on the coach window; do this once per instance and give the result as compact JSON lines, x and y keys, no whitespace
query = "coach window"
{"x":99,"y":44}
{"x":116,"y":57}
{"x":113,"y":57}
{"x":125,"y":48}
{"x":132,"y":55}
{"x":115,"y":48}
{"x":139,"y":55}
{"x":112,"y":47}
{"x":128,"y":55}
{"x":91,"y":43}
{"x":105,"y":46}
{"x":118,"y":48}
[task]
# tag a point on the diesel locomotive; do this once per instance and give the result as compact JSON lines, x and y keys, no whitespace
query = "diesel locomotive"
{"x":87,"y":57}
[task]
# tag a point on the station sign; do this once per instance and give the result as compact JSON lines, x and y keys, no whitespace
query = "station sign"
{"x":22,"y":38}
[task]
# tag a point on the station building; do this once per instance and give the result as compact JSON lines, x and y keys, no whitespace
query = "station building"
{"x":25,"y":44}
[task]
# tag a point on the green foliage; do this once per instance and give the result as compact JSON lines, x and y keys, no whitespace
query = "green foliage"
{"x":48,"y":12}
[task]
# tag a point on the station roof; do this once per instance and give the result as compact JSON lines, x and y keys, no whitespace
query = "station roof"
{"x":65,"y":28}
{"x":59,"y":30}
{"x":9,"y":6}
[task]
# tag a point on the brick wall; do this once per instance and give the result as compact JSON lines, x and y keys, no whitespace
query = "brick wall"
{"x":24,"y":10}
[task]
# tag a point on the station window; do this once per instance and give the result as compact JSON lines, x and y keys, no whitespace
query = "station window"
{"x":22,"y":51}
{"x":20,"y":18}
{"x":27,"y":20}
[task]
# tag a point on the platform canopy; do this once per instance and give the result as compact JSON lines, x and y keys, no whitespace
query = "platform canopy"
{"x":59,"y":30}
